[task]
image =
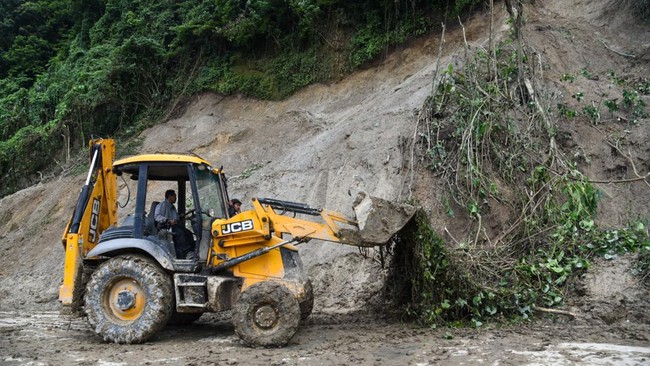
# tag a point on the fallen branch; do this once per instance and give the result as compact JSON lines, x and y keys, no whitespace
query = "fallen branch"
{"x":620,"y":180}
{"x":555,"y":311}
{"x":478,"y":231}
{"x":629,"y":158}
{"x":452,"y":237}
{"x":617,"y":52}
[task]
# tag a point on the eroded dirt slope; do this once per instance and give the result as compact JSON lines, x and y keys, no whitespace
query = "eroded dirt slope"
{"x":321,"y":147}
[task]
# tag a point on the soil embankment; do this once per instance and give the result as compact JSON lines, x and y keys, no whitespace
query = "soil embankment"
{"x":322,"y":146}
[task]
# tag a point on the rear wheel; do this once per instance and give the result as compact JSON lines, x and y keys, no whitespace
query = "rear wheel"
{"x":128,"y":299}
{"x":267,"y":314}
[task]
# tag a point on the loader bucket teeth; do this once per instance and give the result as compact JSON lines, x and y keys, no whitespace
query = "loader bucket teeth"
{"x":378,"y":221}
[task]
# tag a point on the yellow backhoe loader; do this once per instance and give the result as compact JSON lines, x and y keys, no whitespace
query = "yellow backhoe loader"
{"x":127,"y":277}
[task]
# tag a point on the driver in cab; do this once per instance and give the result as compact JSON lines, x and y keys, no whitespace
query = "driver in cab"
{"x":166,"y":217}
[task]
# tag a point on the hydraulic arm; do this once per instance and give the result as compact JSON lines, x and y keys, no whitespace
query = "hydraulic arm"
{"x":96,"y":210}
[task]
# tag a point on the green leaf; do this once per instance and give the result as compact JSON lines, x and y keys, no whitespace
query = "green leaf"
{"x":477,"y":300}
{"x":491,"y":310}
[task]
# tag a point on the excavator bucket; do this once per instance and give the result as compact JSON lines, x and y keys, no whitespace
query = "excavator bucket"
{"x":378,"y":220}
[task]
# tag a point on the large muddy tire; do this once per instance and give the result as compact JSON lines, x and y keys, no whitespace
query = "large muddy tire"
{"x":266,"y":314}
{"x":179,"y":319}
{"x":308,"y":304}
{"x":128,"y":299}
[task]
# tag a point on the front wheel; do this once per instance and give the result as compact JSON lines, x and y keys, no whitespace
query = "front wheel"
{"x":128,"y":299}
{"x":266,"y":314}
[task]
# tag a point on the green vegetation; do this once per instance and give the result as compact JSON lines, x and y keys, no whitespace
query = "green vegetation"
{"x":631,"y":108}
{"x":71,"y":69}
{"x":474,"y":284}
{"x":488,"y":138}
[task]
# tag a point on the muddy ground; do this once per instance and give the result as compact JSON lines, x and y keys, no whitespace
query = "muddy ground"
{"x":322,"y":146}
{"x":45,"y":338}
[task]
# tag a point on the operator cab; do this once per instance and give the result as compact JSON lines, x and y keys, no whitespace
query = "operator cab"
{"x":201,"y":198}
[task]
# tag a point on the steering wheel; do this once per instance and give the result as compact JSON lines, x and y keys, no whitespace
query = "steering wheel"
{"x":207,"y":213}
{"x":190,"y":214}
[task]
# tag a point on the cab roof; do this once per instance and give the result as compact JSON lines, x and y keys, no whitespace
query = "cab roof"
{"x":161,"y":166}
{"x":163,"y":158}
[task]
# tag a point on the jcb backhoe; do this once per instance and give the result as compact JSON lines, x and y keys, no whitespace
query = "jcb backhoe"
{"x":130,"y":283}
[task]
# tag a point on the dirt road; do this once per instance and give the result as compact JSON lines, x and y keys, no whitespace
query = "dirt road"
{"x":46,"y":338}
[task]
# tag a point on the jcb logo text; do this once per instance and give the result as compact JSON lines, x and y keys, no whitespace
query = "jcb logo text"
{"x":94,"y":220}
{"x":235,"y":227}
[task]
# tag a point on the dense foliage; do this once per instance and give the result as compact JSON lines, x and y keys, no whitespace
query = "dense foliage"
{"x":69,"y":69}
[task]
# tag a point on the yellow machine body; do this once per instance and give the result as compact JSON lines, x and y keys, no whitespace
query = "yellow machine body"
{"x":245,"y":234}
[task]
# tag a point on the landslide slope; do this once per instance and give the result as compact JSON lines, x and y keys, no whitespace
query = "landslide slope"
{"x":326,"y":143}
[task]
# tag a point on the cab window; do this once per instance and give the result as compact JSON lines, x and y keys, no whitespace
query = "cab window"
{"x":210,"y":195}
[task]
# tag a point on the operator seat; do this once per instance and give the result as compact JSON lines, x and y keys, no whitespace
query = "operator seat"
{"x":150,"y":223}
{"x":150,"y":228}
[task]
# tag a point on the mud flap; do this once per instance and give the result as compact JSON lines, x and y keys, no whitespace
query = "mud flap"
{"x":75,"y":305}
{"x":74,"y":281}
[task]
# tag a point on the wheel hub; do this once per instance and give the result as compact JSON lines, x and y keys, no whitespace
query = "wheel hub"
{"x":266,"y":316}
{"x":125,"y":300}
